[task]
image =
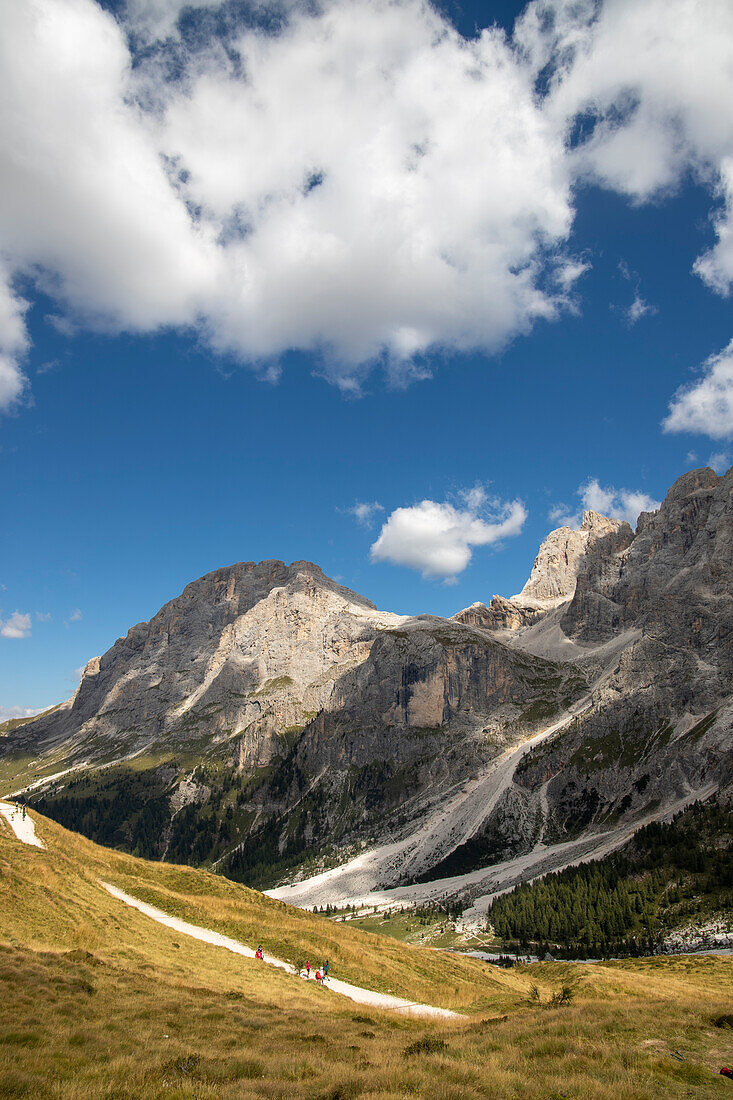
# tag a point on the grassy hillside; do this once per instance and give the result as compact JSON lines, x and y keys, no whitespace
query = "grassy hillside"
{"x":626,"y":903}
{"x":97,"y":1000}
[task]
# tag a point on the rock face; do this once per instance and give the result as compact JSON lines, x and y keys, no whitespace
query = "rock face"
{"x":561,"y":557}
{"x":283,"y":715}
{"x":244,"y":655}
{"x":501,"y":614}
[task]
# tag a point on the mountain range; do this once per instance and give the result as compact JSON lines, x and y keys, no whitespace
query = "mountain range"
{"x":277,"y":726}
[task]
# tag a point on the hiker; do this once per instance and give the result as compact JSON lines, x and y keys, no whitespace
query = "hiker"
{"x":307,"y":970}
{"x":259,"y":954}
{"x":24,"y":813}
{"x":319,"y":979}
{"x":326,"y":968}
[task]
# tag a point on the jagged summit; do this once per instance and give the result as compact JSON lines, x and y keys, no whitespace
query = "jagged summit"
{"x":555,"y":571}
{"x":553,"y":579}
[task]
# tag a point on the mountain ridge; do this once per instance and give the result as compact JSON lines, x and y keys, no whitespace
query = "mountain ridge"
{"x":281,"y":716}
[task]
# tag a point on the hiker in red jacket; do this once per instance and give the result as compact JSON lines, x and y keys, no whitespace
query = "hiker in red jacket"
{"x":259,"y":954}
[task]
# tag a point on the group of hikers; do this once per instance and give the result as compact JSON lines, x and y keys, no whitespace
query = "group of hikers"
{"x":320,"y":973}
{"x":18,"y":808}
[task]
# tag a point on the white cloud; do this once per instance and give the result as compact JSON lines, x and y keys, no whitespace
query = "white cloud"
{"x":17,"y":625}
{"x":74,"y":617}
{"x":9,"y":713}
{"x":43,"y":616}
{"x":649,"y":80}
{"x":625,"y":504}
{"x":437,"y":539}
{"x":638,"y":309}
{"x":364,"y":183}
{"x":706,"y":406}
{"x":13,"y":342}
{"x":365,"y":512}
{"x":720,"y":461}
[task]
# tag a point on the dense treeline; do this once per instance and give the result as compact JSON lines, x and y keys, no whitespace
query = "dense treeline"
{"x":625,"y":902}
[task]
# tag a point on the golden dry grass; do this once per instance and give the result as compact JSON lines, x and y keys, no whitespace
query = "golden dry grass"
{"x":97,"y":1000}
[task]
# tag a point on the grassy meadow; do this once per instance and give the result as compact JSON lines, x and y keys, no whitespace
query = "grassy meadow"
{"x":97,"y":1000}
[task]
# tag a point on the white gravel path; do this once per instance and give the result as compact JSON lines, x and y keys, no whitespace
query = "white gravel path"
{"x":24,"y":829}
{"x":353,"y":992}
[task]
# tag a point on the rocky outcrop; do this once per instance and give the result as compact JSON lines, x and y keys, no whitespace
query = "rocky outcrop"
{"x":501,"y":614}
{"x":562,"y":556}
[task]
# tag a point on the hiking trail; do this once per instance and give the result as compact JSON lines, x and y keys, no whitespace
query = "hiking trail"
{"x":23,"y":827}
{"x":353,"y":992}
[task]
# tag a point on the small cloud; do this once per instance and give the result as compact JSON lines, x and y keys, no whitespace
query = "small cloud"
{"x":706,"y":406}
{"x":63,"y":325}
{"x":624,"y":504}
{"x":691,"y":458}
{"x":49,"y":367}
{"x":568,"y":273}
{"x":437,"y":539}
{"x":475,"y":498}
{"x":43,"y":616}
{"x":365,"y":512}
{"x":719,"y":461}
{"x":17,"y":625}
{"x":638,"y":309}
{"x":7,"y":714}
{"x":74,"y":617}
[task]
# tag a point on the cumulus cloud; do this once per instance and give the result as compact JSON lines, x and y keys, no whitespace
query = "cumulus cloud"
{"x":13,"y":341}
{"x":646,"y":80}
{"x":706,"y":406}
{"x":365,"y":512}
{"x":437,"y":539}
{"x":17,"y":625}
{"x":624,"y":504}
{"x":365,"y":183}
{"x":362,"y":182}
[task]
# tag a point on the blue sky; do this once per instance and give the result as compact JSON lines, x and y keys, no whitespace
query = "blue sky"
{"x":162,"y":432}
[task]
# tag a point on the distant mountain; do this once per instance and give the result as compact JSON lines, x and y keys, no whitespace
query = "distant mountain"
{"x":271,"y":722}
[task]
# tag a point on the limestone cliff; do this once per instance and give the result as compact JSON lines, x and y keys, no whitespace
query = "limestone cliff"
{"x":283,"y":715}
{"x":243,"y":655}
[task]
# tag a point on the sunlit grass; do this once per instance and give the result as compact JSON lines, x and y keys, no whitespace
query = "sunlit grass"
{"x":99,"y":1001}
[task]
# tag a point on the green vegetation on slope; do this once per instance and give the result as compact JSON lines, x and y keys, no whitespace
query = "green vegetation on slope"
{"x":128,"y":807}
{"x":627,"y":901}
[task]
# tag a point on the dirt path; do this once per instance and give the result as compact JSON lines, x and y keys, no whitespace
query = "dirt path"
{"x":23,"y":828}
{"x":353,"y":992}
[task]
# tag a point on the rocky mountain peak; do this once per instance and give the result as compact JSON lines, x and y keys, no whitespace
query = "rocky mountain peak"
{"x":555,"y":571}
{"x":597,"y":524}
